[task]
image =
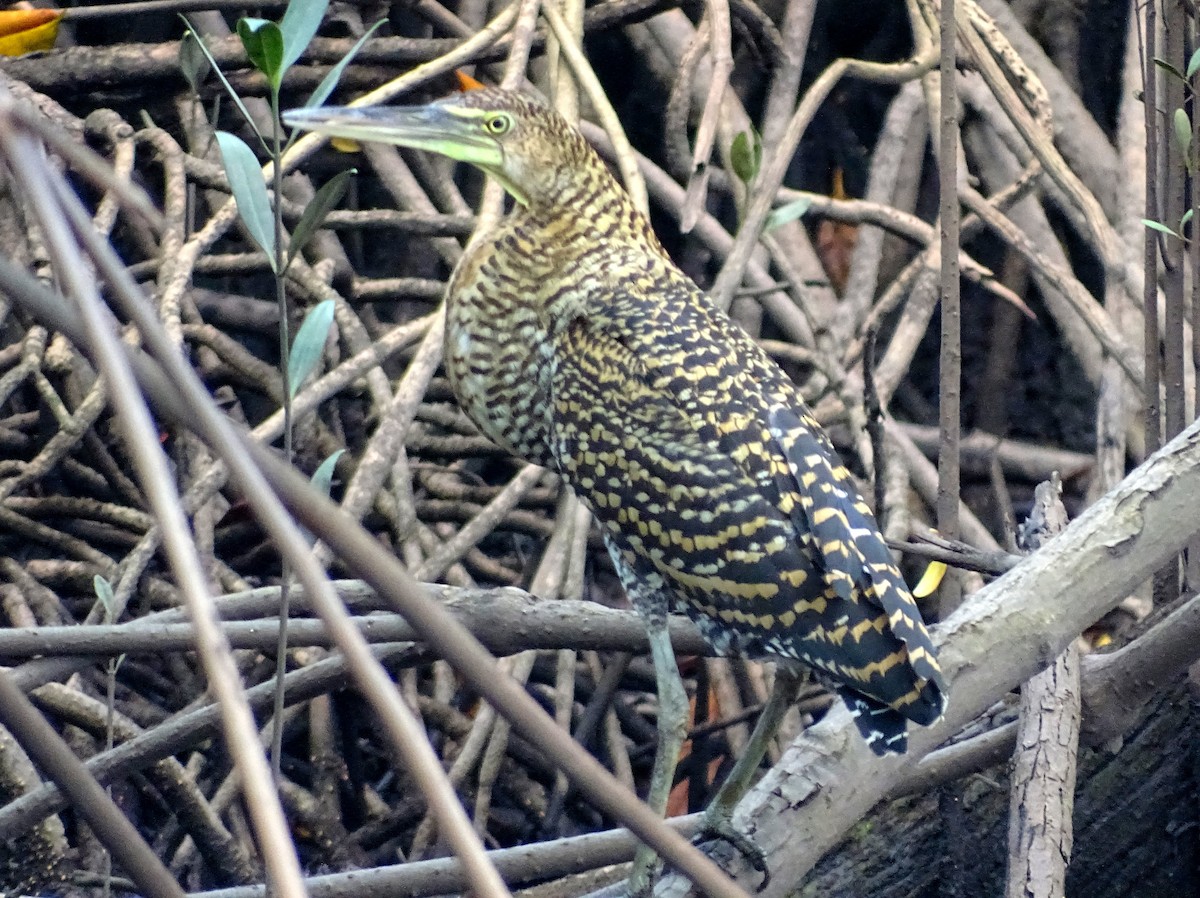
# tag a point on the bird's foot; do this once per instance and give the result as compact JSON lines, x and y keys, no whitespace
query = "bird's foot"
{"x":719,"y":825}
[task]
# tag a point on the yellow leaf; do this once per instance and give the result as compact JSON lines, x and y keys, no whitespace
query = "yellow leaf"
{"x":345,"y":145}
{"x":930,"y":580}
{"x":28,"y":30}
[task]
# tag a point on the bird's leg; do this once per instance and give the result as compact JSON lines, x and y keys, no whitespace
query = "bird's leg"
{"x":718,"y":817}
{"x":672,"y":728}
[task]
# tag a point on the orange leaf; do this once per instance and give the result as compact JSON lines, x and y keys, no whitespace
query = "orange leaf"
{"x":28,"y":30}
{"x":835,"y":241}
{"x":677,"y":804}
{"x":466,"y":82}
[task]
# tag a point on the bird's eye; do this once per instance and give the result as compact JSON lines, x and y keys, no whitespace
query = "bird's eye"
{"x":497,"y":124}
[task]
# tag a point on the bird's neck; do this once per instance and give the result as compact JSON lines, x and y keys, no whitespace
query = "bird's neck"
{"x":585,"y":207}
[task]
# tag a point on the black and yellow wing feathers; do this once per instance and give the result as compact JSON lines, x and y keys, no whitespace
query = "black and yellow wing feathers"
{"x":716,"y":487}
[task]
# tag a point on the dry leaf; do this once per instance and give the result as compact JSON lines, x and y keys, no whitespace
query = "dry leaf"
{"x":28,"y":30}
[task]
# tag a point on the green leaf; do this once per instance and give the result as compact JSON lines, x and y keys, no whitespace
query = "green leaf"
{"x":1183,"y":222}
{"x":789,"y":212}
{"x":104,"y":592}
{"x":192,"y":61}
{"x":309,"y":344}
{"x":741,"y":157}
{"x":1160,"y":227}
{"x":1193,"y":64}
{"x":263,"y":42}
{"x":1183,"y":136}
{"x":249,"y":191}
{"x":1167,"y":67}
{"x":299,"y":24}
{"x":322,"y":204}
{"x":322,"y":477}
{"x":225,"y":81}
{"x":329,"y":82}
{"x":746,"y":155}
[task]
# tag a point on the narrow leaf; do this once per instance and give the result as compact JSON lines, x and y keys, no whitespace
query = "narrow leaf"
{"x":309,"y":344}
{"x":1183,"y":136}
{"x":249,"y":191}
{"x":299,"y":24}
{"x":329,"y":82}
{"x":104,"y":592}
{"x":788,"y":212}
{"x":192,"y":61}
{"x":263,"y":42}
{"x":1168,"y":67}
{"x":322,"y":204}
{"x":1193,"y":64}
{"x":1160,"y":227}
{"x":1183,"y":222}
{"x":225,"y":82}
{"x":322,"y":477}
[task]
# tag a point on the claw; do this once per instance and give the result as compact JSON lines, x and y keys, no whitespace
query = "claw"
{"x":718,"y":826}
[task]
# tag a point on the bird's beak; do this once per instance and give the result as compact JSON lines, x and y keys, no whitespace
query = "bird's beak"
{"x":420,"y":127}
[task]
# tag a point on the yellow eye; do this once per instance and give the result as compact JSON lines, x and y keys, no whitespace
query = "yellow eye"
{"x":497,"y":124}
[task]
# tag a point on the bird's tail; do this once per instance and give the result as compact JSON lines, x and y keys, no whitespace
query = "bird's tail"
{"x":885,"y":729}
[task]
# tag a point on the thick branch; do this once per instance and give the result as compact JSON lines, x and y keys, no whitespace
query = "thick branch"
{"x":1040,"y":835}
{"x":507,"y":621}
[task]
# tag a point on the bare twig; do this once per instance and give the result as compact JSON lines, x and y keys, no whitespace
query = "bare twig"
{"x":950,"y":354}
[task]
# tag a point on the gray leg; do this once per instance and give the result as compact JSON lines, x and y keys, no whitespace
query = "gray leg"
{"x":672,"y":728}
{"x":719,"y":815}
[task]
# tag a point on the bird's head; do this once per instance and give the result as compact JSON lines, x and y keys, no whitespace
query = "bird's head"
{"x":521,"y":142}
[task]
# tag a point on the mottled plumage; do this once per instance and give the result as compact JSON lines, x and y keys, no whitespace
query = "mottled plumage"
{"x":575,"y":342}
